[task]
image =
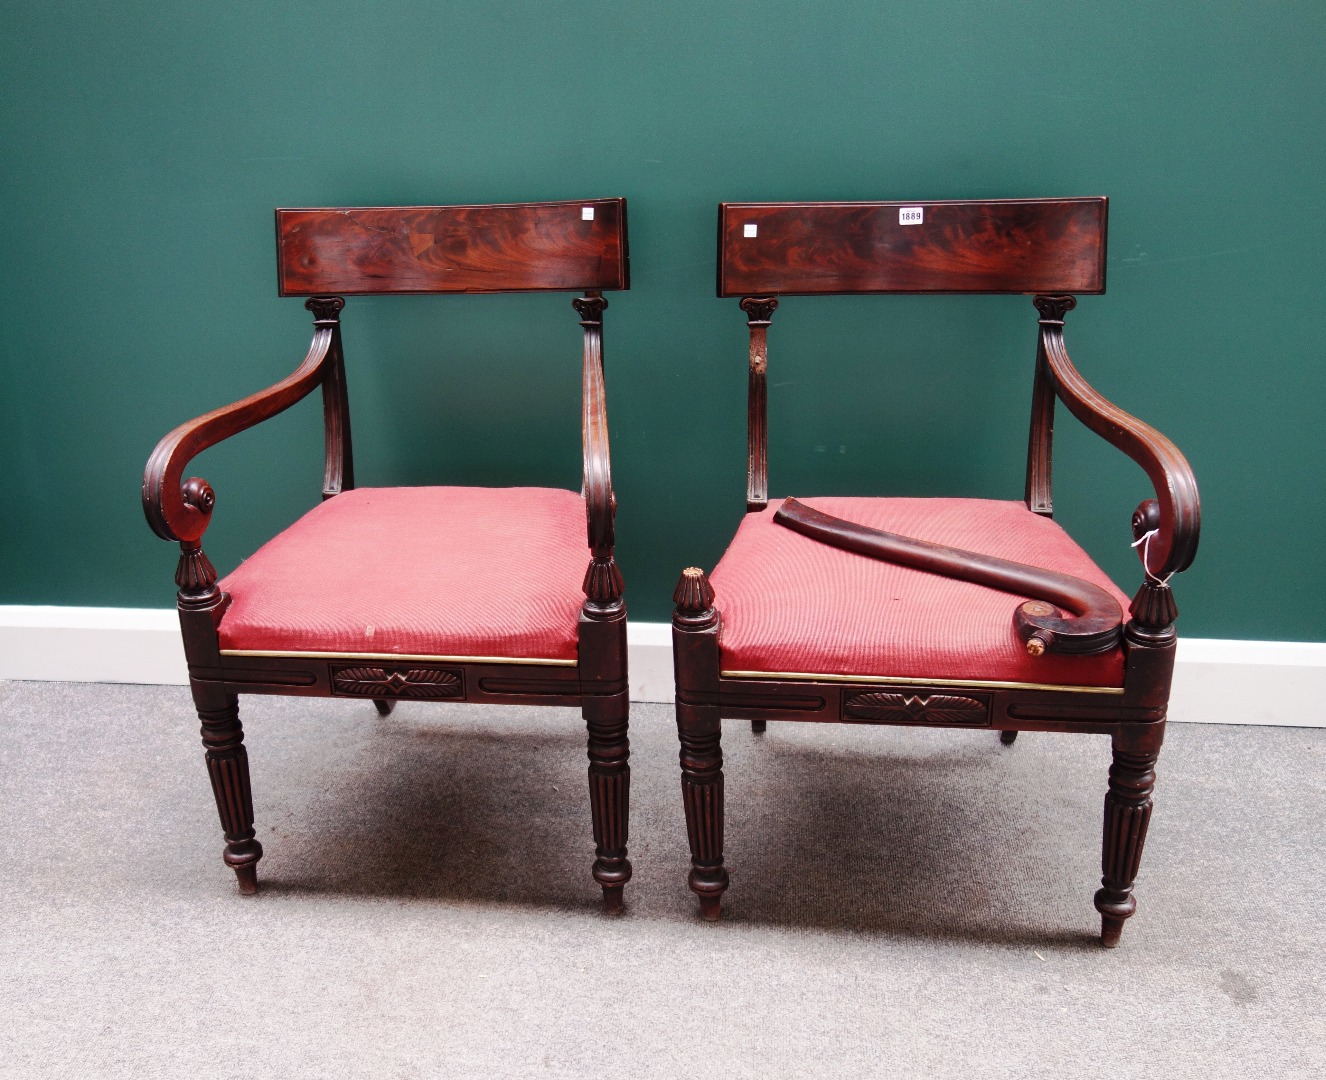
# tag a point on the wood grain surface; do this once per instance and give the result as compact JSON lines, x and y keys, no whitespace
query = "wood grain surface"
{"x":1001,"y":246}
{"x":518,"y":247}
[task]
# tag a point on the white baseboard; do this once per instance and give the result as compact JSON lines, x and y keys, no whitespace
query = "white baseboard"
{"x":649,"y":657}
{"x":1216,"y":681}
{"x":84,"y":644}
{"x":1222,"y":681}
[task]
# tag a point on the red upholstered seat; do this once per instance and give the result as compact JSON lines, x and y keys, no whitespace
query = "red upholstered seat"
{"x":427,"y":571}
{"x":792,"y":604}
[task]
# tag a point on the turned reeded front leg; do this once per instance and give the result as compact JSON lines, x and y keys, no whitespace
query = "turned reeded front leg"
{"x":606,"y":708}
{"x":609,"y":796}
{"x":1150,"y":642}
{"x":201,"y":605}
{"x":1127,"y":814}
{"x":696,"y":662}
{"x":702,"y":797}
{"x":228,"y":767}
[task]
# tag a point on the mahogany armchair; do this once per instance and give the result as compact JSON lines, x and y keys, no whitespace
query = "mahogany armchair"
{"x":916,"y":611}
{"x":472,"y":594}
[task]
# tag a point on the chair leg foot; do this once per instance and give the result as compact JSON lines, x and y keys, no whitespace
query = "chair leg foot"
{"x":1008,"y":737}
{"x":247,"y":875}
{"x":711,"y":906}
{"x":384,"y":707}
{"x":757,"y":726}
{"x":613,"y":899}
{"x":1111,"y":930}
{"x":1127,"y":815}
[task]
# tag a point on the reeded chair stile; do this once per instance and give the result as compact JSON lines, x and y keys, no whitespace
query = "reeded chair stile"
{"x":500,"y":595}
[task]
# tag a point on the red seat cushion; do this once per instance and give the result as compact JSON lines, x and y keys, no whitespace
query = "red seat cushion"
{"x":792,"y":604}
{"x":424,"y":571}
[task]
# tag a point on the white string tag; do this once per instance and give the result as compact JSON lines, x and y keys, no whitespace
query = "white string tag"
{"x":1145,"y":541}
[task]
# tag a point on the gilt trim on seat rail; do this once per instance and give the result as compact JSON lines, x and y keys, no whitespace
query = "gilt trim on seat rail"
{"x":400,"y":656}
{"x":903,"y":680}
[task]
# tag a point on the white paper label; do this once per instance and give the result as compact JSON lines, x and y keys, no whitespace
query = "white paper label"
{"x":750,"y":229}
{"x":911,"y":215}
{"x":586,"y":213}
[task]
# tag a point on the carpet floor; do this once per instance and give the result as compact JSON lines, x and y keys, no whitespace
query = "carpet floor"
{"x":904,"y":902}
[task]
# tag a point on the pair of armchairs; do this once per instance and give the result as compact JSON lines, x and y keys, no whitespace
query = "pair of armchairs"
{"x":864,"y":610}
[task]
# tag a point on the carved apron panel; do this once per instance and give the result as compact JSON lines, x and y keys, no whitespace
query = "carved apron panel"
{"x":946,"y":710}
{"x":397,"y":682}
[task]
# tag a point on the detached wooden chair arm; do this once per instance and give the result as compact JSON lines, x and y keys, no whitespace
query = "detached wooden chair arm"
{"x":1175,"y":513}
{"x":1088,"y":623}
{"x":181,"y":510}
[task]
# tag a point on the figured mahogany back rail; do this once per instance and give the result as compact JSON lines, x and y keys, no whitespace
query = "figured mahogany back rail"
{"x":997,"y":246}
{"x":524,"y":247}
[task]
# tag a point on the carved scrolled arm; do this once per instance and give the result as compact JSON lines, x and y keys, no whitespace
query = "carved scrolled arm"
{"x":181,"y":510}
{"x":198,"y":494}
{"x":600,"y":504}
{"x":1177,"y":509}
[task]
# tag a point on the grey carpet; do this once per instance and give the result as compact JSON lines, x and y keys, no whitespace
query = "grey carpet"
{"x":904,"y":902}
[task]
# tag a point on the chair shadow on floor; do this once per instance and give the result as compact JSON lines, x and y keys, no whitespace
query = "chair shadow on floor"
{"x":951,"y":837}
{"x":886,"y":833}
{"x":430,"y":810}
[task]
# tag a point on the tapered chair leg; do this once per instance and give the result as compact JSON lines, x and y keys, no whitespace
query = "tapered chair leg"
{"x":228,"y":767}
{"x":702,"y":797}
{"x":757,"y":726}
{"x":1008,"y":738}
{"x":696,"y":660}
{"x":610,"y":795}
{"x":384,"y":706}
{"x":1127,"y":815}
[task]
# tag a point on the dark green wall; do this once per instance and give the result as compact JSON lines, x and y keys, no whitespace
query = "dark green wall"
{"x":145,"y":145}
